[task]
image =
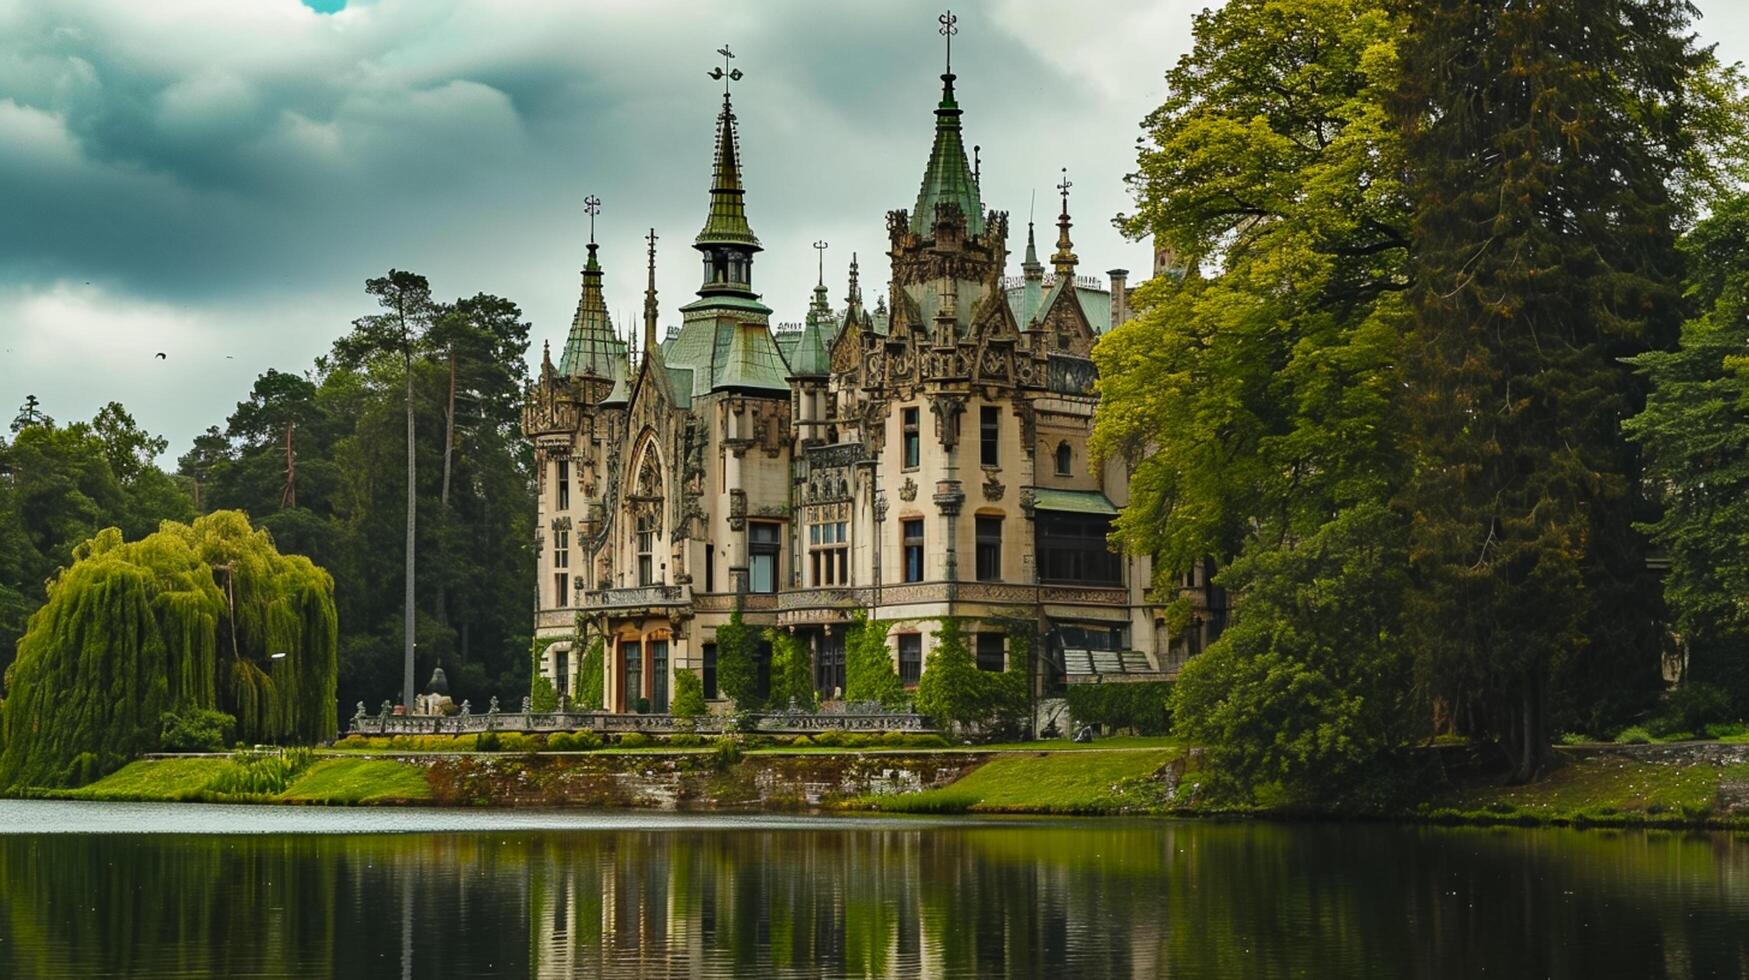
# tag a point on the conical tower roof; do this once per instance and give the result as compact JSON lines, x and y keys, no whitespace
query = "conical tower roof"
{"x":592,"y":347}
{"x":948,"y":179}
{"x":726,"y":224}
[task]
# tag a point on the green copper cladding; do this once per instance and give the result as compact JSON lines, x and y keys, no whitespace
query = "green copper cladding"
{"x":948,"y":179}
{"x":726,"y":224}
{"x":592,"y":348}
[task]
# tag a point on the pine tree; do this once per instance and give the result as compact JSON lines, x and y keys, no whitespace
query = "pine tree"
{"x":1544,"y":140}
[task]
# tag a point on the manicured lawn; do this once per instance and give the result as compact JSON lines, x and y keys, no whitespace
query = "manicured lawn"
{"x":359,"y":781}
{"x":1068,"y":782}
{"x":154,"y":779}
{"x":1605,"y":789}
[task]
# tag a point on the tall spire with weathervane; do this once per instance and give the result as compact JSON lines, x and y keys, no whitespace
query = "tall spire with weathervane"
{"x":1064,"y":260}
{"x":727,"y":241}
{"x":591,"y":347}
{"x":948,"y":179}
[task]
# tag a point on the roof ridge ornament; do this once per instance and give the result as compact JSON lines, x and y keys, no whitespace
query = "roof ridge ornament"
{"x":592,"y":205}
{"x":948,"y":30}
{"x":726,"y":74}
{"x":820,"y":247}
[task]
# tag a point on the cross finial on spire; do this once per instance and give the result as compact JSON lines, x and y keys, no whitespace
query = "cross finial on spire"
{"x":948,"y":30}
{"x":592,"y":205}
{"x":1064,"y":187}
{"x":820,"y":247}
{"x":650,"y":311}
{"x":726,"y":74}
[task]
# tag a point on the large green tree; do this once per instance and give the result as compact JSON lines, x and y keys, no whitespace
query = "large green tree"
{"x":196,"y":616}
{"x":1694,"y":434}
{"x":1547,"y":144}
{"x":1255,"y":397}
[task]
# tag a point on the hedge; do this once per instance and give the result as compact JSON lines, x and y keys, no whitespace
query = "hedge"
{"x":1139,"y":706}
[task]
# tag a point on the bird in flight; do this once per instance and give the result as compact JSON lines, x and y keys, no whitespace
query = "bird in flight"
{"x":162,"y":355}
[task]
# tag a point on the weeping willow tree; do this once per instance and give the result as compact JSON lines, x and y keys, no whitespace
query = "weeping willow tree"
{"x":208,"y":616}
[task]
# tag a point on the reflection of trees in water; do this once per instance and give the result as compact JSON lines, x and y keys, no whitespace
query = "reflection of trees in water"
{"x":1092,"y":899}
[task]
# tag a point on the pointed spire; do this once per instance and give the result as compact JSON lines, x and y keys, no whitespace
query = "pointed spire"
{"x":727,"y":220}
{"x":592,"y":346}
{"x":650,"y":309}
{"x":1064,"y":260}
{"x":1031,"y":268}
{"x":948,"y":178}
{"x":853,"y":301}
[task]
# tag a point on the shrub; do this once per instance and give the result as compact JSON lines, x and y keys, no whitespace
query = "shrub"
{"x":1690,"y":708}
{"x":688,"y":695}
{"x":541,"y":694}
{"x":868,"y":665}
{"x":686,"y":740}
{"x":590,"y":676}
{"x":1634,"y":735}
{"x":792,"y":672}
{"x":561,"y":742}
{"x":488,"y":742}
{"x":635,"y":740}
{"x":1730,"y":729}
{"x":261,"y":774}
{"x":737,"y":676}
{"x":726,"y":753}
{"x":830,"y":739}
{"x":1141,"y":708}
{"x":196,"y":730}
{"x":950,"y":690}
{"x":801,"y":742}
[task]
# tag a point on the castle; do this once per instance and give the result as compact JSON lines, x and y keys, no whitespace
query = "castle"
{"x":922,"y":458}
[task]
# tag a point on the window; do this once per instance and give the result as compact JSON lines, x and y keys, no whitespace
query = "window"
{"x":989,"y":549}
{"x":710,"y":568}
{"x":910,"y":657}
{"x":710,"y":671}
{"x":829,"y":668}
{"x":991,"y":650}
{"x":913,"y":532}
{"x":763,"y":547}
{"x":1063,"y":460}
{"x":561,"y":585}
{"x":632,"y":682}
{"x":829,"y":553}
{"x":1072,"y":549}
{"x":561,"y":548}
{"x":989,"y":434}
{"x":913,"y":439}
{"x":562,"y":486}
{"x":646,"y":551}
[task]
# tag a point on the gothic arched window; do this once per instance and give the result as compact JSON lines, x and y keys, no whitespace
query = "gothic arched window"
{"x":1063,"y":459}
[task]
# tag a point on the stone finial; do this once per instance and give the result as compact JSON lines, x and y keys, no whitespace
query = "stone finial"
{"x":387,"y":709}
{"x":467,"y":708}
{"x":492,"y":706}
{"x":359,"y":712}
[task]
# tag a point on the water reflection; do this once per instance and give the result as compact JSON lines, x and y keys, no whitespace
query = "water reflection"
{"x":1087,"y":899}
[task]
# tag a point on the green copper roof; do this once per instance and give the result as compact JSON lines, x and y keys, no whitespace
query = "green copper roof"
{"x":751,"y":360}
{"x":592,"y":347}
{"x":948,"y":179}
{"x":1074,"y":501}
{"x":726,"y":224}
{"x":812,"y":355}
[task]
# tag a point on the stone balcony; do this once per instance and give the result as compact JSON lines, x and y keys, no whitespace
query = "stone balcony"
{"x":635,"y":600}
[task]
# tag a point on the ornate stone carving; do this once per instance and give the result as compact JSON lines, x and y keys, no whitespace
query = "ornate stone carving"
{"x":908,"y":490}
{"x":947,"y":410}
{"x":737,"y":509}
{"x":949,"y":497}
{"x":993,"y":488}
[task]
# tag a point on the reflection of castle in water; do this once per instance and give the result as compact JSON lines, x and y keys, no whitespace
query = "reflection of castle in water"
{"x":867,"y":904}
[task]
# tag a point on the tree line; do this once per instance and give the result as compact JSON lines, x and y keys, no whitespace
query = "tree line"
{"x":1448,"y":369}
{"x":318,"y":459}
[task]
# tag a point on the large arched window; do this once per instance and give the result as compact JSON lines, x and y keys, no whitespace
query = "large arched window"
{"x":1064,"y":458}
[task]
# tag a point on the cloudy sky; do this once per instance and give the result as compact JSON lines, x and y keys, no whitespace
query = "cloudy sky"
{"x":215,"y":179}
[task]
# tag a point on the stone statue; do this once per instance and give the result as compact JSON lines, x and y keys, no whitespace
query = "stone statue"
{"x":388,"y":709}
{"x":467,"y":708}
{"x":492,"y":707}
{"x":359,"y":712}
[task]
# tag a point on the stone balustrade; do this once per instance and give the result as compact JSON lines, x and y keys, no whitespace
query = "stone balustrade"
{"x":776,"y":723}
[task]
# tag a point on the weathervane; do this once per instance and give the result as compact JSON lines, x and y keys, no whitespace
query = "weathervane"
{"x":726,"y":74}
{"x":820,"y":246}
{"x":592,"y":204}
{"x":1064,"y":187}
{"x":948,"y":30}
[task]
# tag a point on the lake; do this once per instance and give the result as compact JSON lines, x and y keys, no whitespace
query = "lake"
{"x":93,"y":889}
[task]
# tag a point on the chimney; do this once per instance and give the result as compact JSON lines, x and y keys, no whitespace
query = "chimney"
{"x":1120,"y":303}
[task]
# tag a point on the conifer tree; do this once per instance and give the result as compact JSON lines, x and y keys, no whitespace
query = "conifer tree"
{"x":1545,"y":143}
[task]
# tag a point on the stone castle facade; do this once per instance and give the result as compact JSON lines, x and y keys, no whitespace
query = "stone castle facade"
{"x":921,"y":458}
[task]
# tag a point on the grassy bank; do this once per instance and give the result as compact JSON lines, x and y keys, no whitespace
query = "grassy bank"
{"x":1606,"y":790}
{"x":1080,"y":781}
{"x":203,"y":779}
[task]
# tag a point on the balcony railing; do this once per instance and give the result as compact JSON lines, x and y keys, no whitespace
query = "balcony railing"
{"x":636,"y":597}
